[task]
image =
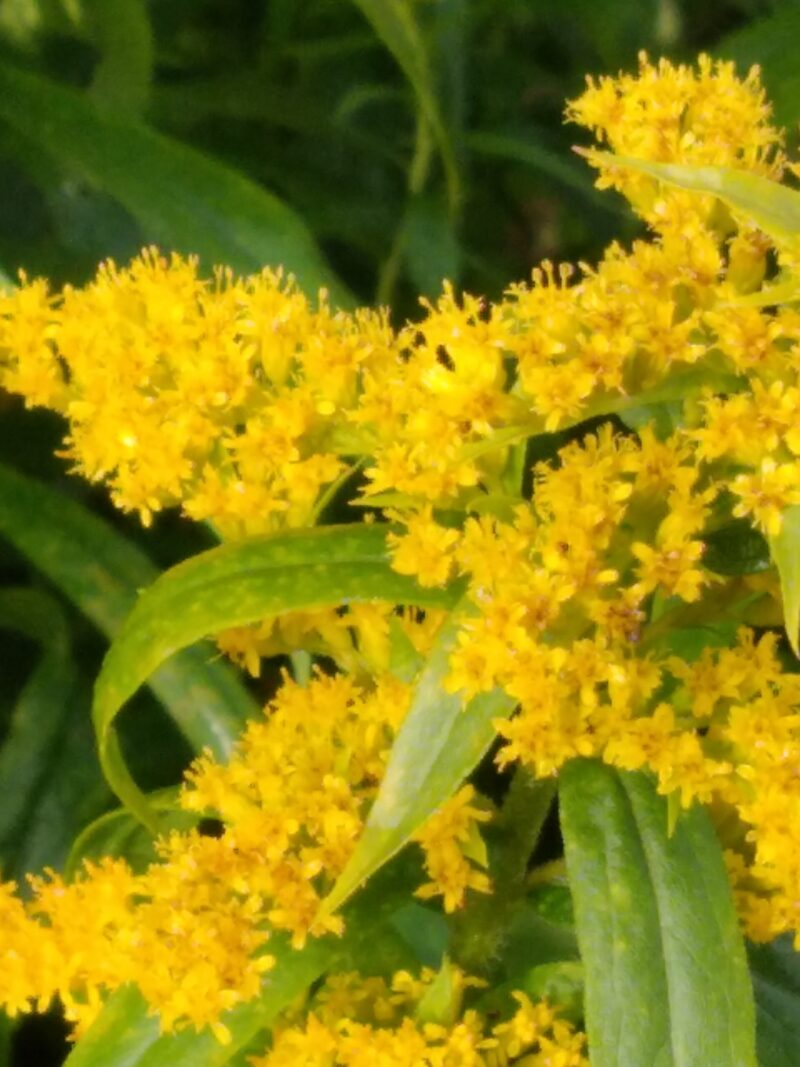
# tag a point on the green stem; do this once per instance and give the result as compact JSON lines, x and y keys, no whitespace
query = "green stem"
{"x":482,"y":927}
{"x":518,"y":828}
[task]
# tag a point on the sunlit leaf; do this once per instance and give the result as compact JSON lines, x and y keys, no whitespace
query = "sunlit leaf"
{"x":774,"y":208}
{"x":785,"y":550}
{"x":665,"y":968}
{"x":438,"y":745}
{"x":232,"y":586}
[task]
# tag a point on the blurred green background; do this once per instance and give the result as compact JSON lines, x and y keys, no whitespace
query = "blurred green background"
{"x":373,"y":147}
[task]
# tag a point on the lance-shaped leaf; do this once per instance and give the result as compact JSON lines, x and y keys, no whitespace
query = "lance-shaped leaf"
{"x":666,"y":974}
{"x":785,"y":551}
{"x":232,"y":586}
{"x":438,"y":745}
{"x":101,"y":573}
{"x":36,"y":725}
{"x":773,"y":207}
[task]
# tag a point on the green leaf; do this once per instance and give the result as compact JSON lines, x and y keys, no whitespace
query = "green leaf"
{"x":776,"y":983}
{"x":50,"y":779}
{"x":121,"y":29}
{"x":72,"y":793}
{"x":773,"y":207}
{"x":526,"y":148}
{"x":39,"y":709}
{"x":627,"y":1012}
{"x":182,"y":199}
{"x":438,"y":745}
{"x":121,"y":1034}
{"x":126,"y":1035}
{"x":6,"y":1039}
{"x":430,"y":246}
{"x":120,"y":835}
{"x":666,"y":974}
{"x":785,"y":550}
{"x":234,"y":585}
{"x":736,"y":548}
{"x":441,"y":1001}
{"x":101,"y":573}
{"x":711,"y":996}
{"x":395,"y":24}
{"x":424,"y":930}
{"x":763,"y":41}
{"x":452,"y":27}
{"x":561,"y":983}
{"x":37,"y":719}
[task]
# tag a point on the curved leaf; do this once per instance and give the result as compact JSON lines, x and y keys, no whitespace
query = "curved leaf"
{"x":439,"y":744}
{"x":232,"y":586}
{"x":181,"y":198}
{"x":101,"y":573}
{"x":666,"y":974}
{"x":785,"y":551}
{"x":774,"y":208}
{"x":119,"y":834}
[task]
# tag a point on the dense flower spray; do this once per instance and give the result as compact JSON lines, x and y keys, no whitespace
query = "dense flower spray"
{"x":249,"y":406}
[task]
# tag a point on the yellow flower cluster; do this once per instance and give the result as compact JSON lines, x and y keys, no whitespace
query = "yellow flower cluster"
{"x":450,"y":838}
{"x":704,"y":116}
{"x":240,"y":401}
{"x":359,"y":1022}
{"x":573,"y":594}
{"x":223,"y":396}
{"x":191,"y":929}
{"x":244,"y":404}
{"x":180,"y":931}
{"x":358,"y":638}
